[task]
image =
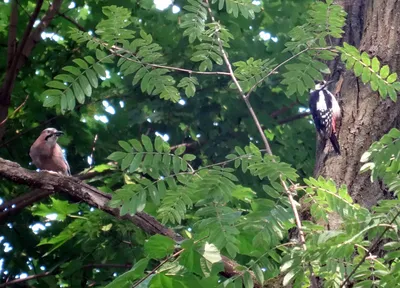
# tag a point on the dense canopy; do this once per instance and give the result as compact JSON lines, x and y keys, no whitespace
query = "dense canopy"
{"x":189,"y":123}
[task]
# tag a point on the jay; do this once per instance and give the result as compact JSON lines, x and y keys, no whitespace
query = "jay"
{"x":46,"y":154}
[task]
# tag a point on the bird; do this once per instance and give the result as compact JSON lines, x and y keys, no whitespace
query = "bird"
{"x":46,"y":154}
{"x":325,"y":111}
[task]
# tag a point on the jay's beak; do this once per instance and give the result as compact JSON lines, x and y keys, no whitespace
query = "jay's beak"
{"x":58,"y":133}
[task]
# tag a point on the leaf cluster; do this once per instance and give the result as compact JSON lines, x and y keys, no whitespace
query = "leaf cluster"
{"x":370,"y":71}
{"x":309,"y":43}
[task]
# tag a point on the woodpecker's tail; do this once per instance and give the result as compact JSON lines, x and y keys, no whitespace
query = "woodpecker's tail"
{"x":335,"y":143}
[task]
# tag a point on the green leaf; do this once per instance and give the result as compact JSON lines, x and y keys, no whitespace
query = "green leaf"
{"x":125,"y":280}
{"x":89,"y":59}
{"x":259,"y":274}
{"x":180,"y":150}
{"x":116,"y":156}
{"x":73,"y":70}
{"x":384,"y":71}
{"x":366,"y":75}
{"x":56,"y":84}
{"x":99,"y":70}
{"x":80,"y":96}
{"x":65,"y":78}
{"x":392,"y":78}
{"x":70,"y":99}
{"x":81,"y":63}
{"x":125,"y":145}
{"x":211,"y":253}
{"x":392,"y":93}
{"x":176,"y":162}
{"x":375,"y":64}
{"x":92,"y":78}
{"x":158,"y":246}
{"x":365,"y":59}
{"x":136,"y":162}
{"x":51,"y":101}
{"x":147,"y":143}
{"x":248,"y":281}
{"x":136,"y":145}
{"x":87,"y":89}
{"x":126,"y":162}
{"x":63,"y":103}
{"x":189,"y":157}
{"x":158,"y":144}
{"x":358,"y":69}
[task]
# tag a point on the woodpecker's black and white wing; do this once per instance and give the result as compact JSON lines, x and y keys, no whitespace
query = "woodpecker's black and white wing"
{"x":321,"y":111}
{"x":325,"y":111}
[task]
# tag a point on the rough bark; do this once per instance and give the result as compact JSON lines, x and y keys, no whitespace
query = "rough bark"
{"x":76,"y":188}
{"x":372,"y":26}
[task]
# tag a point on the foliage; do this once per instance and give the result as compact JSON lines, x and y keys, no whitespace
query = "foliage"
{"x":226,"y":196}
{"x":370,"y":71}
{"x":309,"y":43}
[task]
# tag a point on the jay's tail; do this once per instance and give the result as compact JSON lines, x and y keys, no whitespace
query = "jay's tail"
{"x":335,"y":143}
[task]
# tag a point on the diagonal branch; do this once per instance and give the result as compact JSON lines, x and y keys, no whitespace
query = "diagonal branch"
{"x":76,"y":188}
{"x":72,"y":21}
{"x":30,"y":277}
{"x":262,"y":134}
{"x":293,"y":118}
{"x":368,"y":253}
{"x":15,"y":111}
{"x":115,"y":50}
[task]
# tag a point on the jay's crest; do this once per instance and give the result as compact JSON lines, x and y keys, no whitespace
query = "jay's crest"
{"x":46,"y":154}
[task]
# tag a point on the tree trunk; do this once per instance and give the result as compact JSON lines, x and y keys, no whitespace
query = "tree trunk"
{"x":372,"y":26}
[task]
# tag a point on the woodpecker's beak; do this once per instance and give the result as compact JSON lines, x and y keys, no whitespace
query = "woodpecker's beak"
{"x":329,"y":82}
{"x":58,"y":133}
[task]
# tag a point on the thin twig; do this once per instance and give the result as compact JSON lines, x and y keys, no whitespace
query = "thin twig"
{"x":66,"y":17}
{"x":158,"y":266}
{"x":31,"y":277}
{"x":295,"y":117}
{"x":283,"y":109}
{"x":107,"y":265}
{"x":264,"y":138}
{"x":115,"y":50}
{"x":373,"y":246}
{"x":274,"y":70}
{"x":15,"y":111}
{"x":2,"y":144}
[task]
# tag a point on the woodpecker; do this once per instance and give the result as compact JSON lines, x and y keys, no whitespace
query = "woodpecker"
{"x":325,"y":111}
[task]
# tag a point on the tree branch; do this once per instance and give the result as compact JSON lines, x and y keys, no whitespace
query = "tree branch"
{"x":30,"y":277}
{"x":274,"y":70}
{"x":76,"y":188}
{"x":12,"y":34}
{"x":107,"y":265}
{"x":69,"y":19}
{"x":15,"y":205}
{"x":15,"y":111}
{"x":293,"y":118}
{"x":12,"y":71}
{"x":115,"y":50}
{"x":28,"y":42}
{"x":262,"y":134}
{"x":368,"y":253}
